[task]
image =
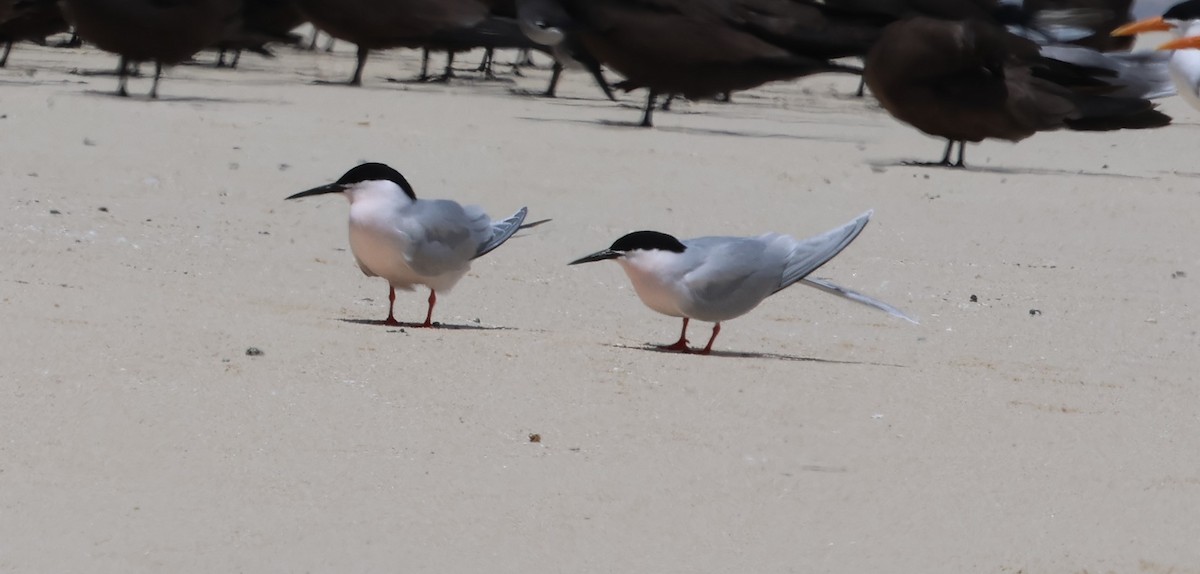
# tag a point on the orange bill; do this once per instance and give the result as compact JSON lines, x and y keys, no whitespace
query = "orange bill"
{"x":1155,"y":24}
{"x":1190,"y":42}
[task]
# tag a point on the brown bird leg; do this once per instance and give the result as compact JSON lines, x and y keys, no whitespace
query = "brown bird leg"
{"x":666,"y":105}
{"x":945,"y":162}
{"x":682,"y":343}
{"x":449,"y":71}
{"x":122,"y":76}
{"x":485,"y":65}
{"x":391,"y":320}
{"x":7,"y":49}
{"x":157,"y":75}
{"x":424,"y":77}
{"x":708,"y":347}
{"x":358,"y":70}
{"x":552,"y":89}
{"x":646,"y":118}
{"x":429,"y":315}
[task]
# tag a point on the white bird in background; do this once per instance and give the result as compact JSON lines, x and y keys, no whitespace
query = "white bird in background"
{"x":716,"y":279}
{"x":411,"y":241}
{"x":1180,"y":20}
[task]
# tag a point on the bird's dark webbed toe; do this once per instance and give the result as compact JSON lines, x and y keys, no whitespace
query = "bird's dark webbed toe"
{"x":945,"y":161}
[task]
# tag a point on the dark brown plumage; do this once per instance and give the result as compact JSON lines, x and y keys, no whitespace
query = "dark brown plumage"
{"x":699,"y":48}
{"x":28,"y":20}
{"x":967,"y":81}
{"x":262,"y":22}
{"x":434,"y":24}
{"x":152,"y":30}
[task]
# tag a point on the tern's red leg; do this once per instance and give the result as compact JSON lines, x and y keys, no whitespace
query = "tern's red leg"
{"x":682,"y":343}
{"x":708,"y":347}
{"x":429,"y":315}
{"x":391,"y":320}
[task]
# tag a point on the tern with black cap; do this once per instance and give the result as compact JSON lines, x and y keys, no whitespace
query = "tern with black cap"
{"x":411,"y":241}
{"x":1182,"y":20}
{"x":716,"y":279}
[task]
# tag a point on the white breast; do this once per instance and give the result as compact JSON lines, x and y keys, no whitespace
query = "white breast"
{"x":654,"y":276}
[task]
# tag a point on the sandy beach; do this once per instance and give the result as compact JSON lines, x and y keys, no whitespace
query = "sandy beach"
{"x":1050,"y":426}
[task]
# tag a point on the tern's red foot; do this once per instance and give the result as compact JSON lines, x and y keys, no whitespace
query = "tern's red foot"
{"x":680,"y":345}
{"x":392,"y":322}
{"x":708,"y":348}
{"x":428,"y":324}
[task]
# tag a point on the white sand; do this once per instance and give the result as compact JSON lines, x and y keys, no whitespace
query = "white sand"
{"x":136,"y":435}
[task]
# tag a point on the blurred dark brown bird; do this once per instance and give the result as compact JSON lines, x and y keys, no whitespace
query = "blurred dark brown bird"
{"x":262,"y":22}
{"x":702,"y":48}
{"x":451,"y":25}
{"x":540,"y":20}
{"x":968,"y":80}
{"x":28,"y":20}
{"x":165,"y":32}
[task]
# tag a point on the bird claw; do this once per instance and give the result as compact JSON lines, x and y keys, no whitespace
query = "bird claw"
{"x":933,"y":164}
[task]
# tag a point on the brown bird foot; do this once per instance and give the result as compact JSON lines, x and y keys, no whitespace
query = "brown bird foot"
{"x":934,"y":164}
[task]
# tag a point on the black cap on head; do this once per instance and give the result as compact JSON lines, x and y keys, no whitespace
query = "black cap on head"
{"x":648,"y":240}
{"x":1189,"y":10}
{"x":645,"y":240}
{"x":375,"y":171}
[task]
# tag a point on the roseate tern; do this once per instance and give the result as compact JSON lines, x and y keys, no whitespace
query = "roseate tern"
{"x":716,"y":279}
{"x":411,"y":241}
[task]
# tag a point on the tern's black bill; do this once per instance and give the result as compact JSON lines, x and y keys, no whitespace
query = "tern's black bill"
{"x":327,"y":188}
{"x":598,"y":256}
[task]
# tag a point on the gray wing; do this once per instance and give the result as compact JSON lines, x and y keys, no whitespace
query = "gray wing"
{"x":440,"y":235}
{"x":500,"y":231}
{"x":834,"y":289}
{"x":729,"y":269}
{"x":810,"y":254}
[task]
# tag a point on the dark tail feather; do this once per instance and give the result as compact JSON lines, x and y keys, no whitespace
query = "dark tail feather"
{"x":1098,"y":113}
{"x":494,"y":32}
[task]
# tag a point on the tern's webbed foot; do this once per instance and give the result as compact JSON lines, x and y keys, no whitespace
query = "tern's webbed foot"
{"x":680,"y":346}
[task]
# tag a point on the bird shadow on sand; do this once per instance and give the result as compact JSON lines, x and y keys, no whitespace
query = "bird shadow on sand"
{"x":437,"y":326}
{"x":632,"y":126}
{"x":881,"y":165}
{"x":745,"y":355}
{"x":136,"y":97}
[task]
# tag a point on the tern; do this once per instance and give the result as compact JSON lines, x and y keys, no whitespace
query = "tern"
{"x":411,"y":241}
{"x":1181,"y":20}
{"x":716,"y":279}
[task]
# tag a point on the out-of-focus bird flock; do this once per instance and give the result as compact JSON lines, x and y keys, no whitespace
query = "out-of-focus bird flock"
{"x":962,"y":70}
